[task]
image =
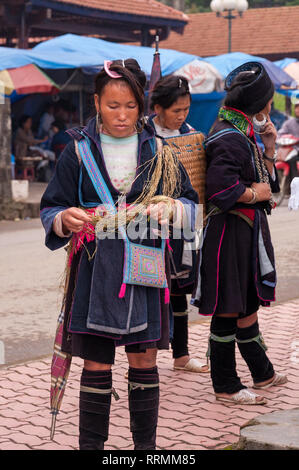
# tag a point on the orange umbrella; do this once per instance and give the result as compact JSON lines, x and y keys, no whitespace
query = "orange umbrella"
{"x":25,"y":80}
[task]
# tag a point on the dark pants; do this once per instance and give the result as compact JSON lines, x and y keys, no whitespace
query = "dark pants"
{"x":180,"y":326}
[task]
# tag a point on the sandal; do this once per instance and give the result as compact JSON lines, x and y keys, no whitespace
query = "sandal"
{"x":277,"y":379}
{"x":243,"y":397}
{"x":193,"y":365}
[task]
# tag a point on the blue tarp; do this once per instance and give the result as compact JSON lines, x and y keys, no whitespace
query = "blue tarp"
{"x":225,"y":63}
{"x":72,"y":51}
{"x":204,"y":110}
{"x":283,"y":63}
{"x":13,"y":58}
{"x":290,"y":93}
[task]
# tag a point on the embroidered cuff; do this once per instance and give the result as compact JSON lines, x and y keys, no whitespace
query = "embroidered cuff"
{"x":57,"y":226}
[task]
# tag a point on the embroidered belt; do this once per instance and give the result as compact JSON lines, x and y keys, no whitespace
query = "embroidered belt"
{"x":245,"y":214}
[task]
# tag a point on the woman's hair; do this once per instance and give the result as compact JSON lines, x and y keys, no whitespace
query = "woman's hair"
{"x":131,"y":73}
{"x":249,"y":88}
{"x":168,"y":90}
{"x":23,"y":119}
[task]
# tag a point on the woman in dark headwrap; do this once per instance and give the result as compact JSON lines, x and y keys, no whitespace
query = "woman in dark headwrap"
{"x":237,"y":272}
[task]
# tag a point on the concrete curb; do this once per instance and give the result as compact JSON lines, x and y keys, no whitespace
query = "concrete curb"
{"x":19,"y":210}
{"x":278,"y":430}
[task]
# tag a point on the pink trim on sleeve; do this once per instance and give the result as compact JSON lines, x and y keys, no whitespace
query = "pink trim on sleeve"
{"x":223,"y":190}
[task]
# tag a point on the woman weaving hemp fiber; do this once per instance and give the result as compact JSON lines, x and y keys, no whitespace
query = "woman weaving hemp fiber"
{"x":237,"y":272}
{"x":114,"y":155}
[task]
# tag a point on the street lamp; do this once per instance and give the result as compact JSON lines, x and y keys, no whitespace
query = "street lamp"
{"x":218,"y":6}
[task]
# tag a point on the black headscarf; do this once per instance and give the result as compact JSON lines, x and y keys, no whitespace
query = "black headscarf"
{"x":249,"y":88}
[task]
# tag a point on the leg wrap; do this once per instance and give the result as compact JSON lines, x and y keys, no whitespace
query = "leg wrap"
{"x":95,"y":401}
{"x":143,"y":390}
{"x":222,"y":355}
{"x":179,"y":303}
{"x":253,"y":351}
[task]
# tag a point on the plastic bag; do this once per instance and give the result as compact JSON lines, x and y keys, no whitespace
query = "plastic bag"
{"x":294,"y":198}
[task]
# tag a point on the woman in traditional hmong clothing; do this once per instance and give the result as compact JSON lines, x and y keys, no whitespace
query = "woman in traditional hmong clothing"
{"x":99,"y":313}
{"x":170,"y":101}
{"x":237,"y":272}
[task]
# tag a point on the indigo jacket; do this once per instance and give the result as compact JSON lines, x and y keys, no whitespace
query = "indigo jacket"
{"x":230,"y":170}
{"x":96,"y":307}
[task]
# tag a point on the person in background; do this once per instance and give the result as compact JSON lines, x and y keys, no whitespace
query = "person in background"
{"x":46,"y":121}
{"x":60,"y":138}
{"x":62,"y":111}
{"x":291,"y":126}
{"x":24,"y":138}
{"x":26,"y":145}
{"x":170,"y":101}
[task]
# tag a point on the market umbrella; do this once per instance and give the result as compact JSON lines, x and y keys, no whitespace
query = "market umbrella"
{"x":202,"y":77}
{"x":25,"y":80}
{"x":293,"y":70}
{"x":156,"y":72}
{"x":225,"y":63}
{"x":60,"y":368}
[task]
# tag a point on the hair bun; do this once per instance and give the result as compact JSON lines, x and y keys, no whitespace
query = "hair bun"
{"x":132,"y":66}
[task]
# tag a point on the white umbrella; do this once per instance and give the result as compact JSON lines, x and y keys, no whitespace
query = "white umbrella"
{"x":202,"y":76}
{"x":293,"y":70}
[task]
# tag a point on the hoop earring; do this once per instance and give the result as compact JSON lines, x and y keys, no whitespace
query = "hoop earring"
{"x":259,"y":125}
{"x":98,"y":122}
{"x":139,"y":126}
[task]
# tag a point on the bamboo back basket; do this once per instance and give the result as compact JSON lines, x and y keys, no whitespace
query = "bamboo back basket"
{"x":190,"y":151}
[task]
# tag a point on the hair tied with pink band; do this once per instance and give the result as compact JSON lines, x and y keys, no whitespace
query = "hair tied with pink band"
{"x":109,"y":72}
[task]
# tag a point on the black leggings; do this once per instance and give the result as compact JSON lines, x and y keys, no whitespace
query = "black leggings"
{"x":224,"y":334}
{"x":179,"y":342}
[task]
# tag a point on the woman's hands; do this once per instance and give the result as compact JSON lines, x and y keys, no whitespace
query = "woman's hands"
{"x":269,"y":137}
{"x":160,"y":211}
{"x":73,"y":220}
{"x":263,"y":191}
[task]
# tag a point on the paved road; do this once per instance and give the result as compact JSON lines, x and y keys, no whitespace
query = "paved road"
{"x":30,"y":276}
{"x":189,"y":416}
{"x":30,"y":296}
